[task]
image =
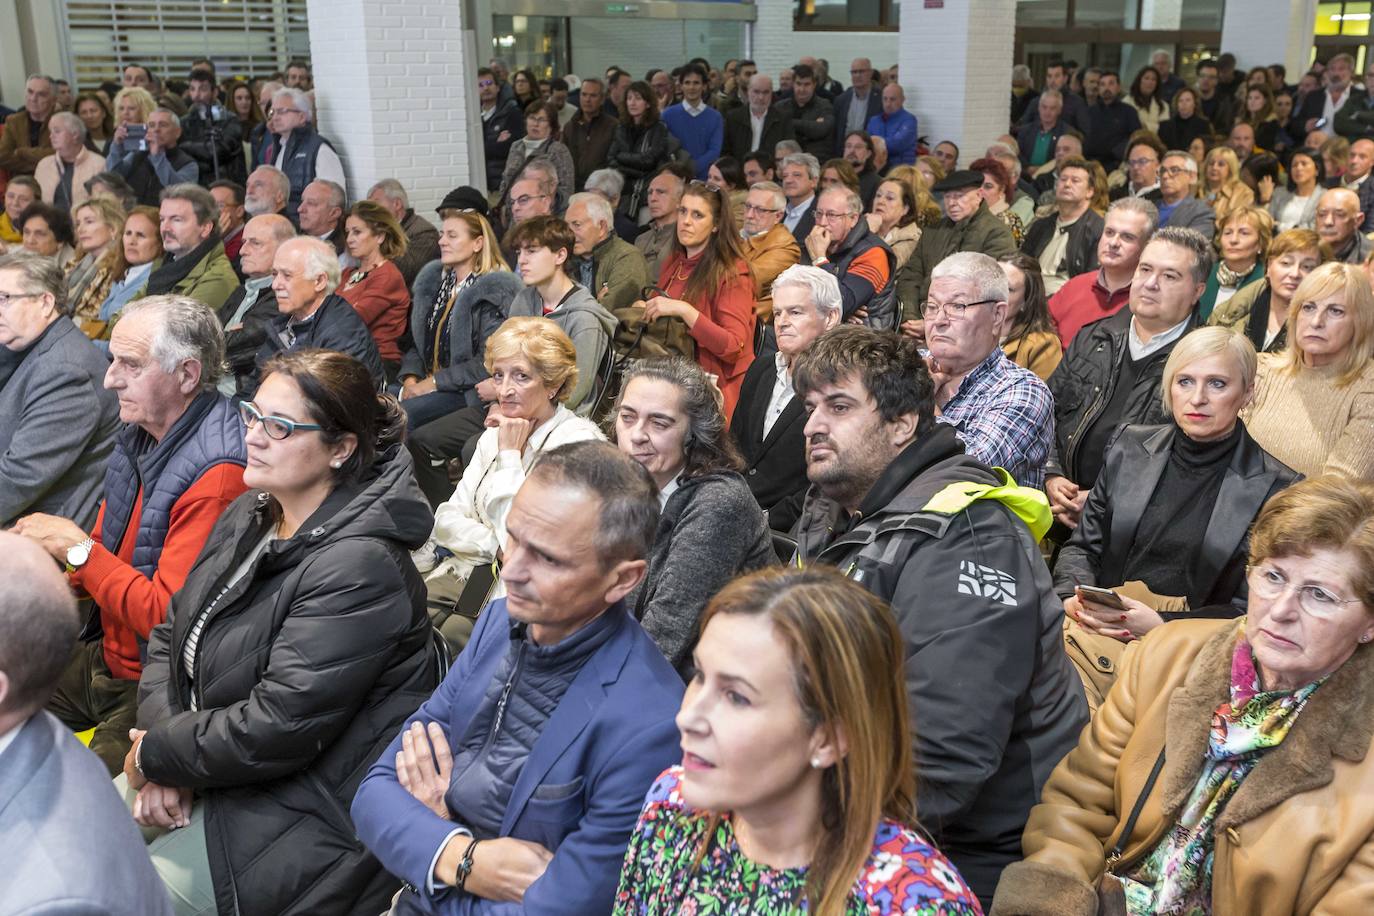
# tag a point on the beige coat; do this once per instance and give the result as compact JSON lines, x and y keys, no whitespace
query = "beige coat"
{"x":87,"y":165}
{"x":769,"y":255}
{"x":1296,"y":838}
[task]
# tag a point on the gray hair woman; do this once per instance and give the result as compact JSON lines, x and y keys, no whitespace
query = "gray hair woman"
{"x":1189,"y":489}
{"x":1229,"y":770}
{"x":669,"y":418}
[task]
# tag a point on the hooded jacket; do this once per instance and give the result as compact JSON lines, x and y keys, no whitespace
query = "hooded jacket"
{"x":996,"y":699}
{"x":306,"y":667}
{"x":588,"y":324}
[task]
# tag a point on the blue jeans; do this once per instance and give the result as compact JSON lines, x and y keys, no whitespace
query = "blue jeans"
{"x":429,"y":407}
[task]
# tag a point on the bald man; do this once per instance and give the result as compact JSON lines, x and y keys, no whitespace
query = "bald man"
{"x":896,"y":126}
{"x":1357,"y":178}
{"x":1338,"y":223}
{"x":858,"y":104}
{"x":63,"y":826}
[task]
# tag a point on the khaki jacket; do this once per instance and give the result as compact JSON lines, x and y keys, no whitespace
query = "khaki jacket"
{"x":1296,"y":838}
{"x":1234,"y":313}
{"x":769,"y":255}
{"x":621,"y":273}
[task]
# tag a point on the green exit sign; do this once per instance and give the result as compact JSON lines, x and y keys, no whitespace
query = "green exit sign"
{"x":622,"y":8}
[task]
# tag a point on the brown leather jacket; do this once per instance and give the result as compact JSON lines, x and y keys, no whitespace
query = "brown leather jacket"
{"x":1296,"y":838}
{"x":769,"y":254}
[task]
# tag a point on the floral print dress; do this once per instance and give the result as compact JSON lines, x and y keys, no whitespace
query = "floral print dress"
{"x":904,"y":875}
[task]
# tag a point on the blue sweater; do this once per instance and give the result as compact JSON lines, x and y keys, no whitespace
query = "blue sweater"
{"x":899,"y":131}
{"x":701,"y":136}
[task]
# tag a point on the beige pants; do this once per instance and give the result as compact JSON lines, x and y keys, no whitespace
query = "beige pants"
{"x":179,"y":857}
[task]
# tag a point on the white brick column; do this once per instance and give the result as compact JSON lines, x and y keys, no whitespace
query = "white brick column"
{"x":956,"y":70}
{"x":1263,"y":32}
{"x":1161,"y":14}
{"x":397,"y":94}
{"x":772,"y":46}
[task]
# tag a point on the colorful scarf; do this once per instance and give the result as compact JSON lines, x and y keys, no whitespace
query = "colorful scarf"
{"x":1176,"y":879}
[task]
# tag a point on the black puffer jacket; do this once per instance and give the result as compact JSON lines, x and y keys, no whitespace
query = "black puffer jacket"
{"x":306,"y":668}
{"x":334,"y":326}
{"x":638,"y":152}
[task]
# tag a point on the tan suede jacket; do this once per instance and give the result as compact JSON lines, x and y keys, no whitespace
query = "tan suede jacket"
{"x":1296,"y":838}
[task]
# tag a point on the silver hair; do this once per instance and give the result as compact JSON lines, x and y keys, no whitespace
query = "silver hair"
{"x":1144,"y":208}
{"x":186,"y":329}
{"x":72,"y":122}
{"x":318,"y":258}
{"x":1052,"y":94}
{"x":1020,"y":72}
{"x":52,"y":83}
{"x":784,"y":148}
{"x":1162,"y":53}
{"x":299,"y":100}
{"x":338,"y":197}
{"x":393,"y":191}
{"x":1189,"y":162}
{"x":606,"y":181}
{"x":773,"y":188}
{"x":853,"y":202}
{"x":598,"y":208}
{"x":821,"y":286}
{"x":1193,"y":242}
{"x":541,"y":166}
{"x":977,"y":268}
{"x":810,"y":162}
{"x":39,"y":274}
{"x":1201,"y":343}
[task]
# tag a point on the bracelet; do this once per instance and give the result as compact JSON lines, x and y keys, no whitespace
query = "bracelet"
{"x":465,"y":865}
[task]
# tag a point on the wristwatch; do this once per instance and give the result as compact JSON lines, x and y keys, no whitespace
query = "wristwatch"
{"x":79,"y":553}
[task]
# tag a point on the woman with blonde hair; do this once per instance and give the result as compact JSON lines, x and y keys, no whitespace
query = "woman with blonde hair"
{"x":928,"y":211}
{"x":459,"y":302}
{"x":1260,"y":310}
{"x":140,"y":252}
{"x":376,"y":289}
{"x":99,"y":224}
{"x":1314,"y":400}
{"x":796,"y":791}
{"x":132,"y":106}
{"x":533,"y":369}
{"x":1221,"y":185}
{"x":1242,"y":240}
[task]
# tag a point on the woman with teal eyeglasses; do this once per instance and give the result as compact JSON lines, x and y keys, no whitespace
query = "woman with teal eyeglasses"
{"x":1229,"y":770}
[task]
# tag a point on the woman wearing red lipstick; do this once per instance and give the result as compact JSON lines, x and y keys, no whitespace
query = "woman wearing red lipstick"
{"x":796,"y":791}
{"x":1243,"y":745}
{"x":1166,"y":522}
{"x":1314,"y":401}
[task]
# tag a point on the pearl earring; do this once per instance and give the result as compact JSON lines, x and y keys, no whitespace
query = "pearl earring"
{"x":1364,"y":638}
{"x":336,"y":464}
{"x":815,"y":763}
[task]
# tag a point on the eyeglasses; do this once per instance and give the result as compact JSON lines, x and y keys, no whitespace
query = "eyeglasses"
{"x":7,"y":298}
{"x":485,"y":84}
{"x":276,"y":427}
{"x":536,"y":119}
{"x":1172,"y":170}
{"x":827,"y":216}
{"x":750,"y":208}
{"x":1139,"y":163}
{"x":1271,"y":584}
{"x":524,"y":200}
{"x":955,"y":310}
{"x":699,"y":185}
{"x":279,"y":111}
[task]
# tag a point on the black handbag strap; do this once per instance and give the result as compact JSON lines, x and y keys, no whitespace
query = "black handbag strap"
{"x":1115,"y":853}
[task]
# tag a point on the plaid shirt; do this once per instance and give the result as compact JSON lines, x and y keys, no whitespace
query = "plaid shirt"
{"x":1005,"y":417}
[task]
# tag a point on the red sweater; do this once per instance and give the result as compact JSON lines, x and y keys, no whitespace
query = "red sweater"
{"x":1082,"y":301}
{"x":130,"y":603}
{"x":383,"y":300}
{"x":725,"y":331}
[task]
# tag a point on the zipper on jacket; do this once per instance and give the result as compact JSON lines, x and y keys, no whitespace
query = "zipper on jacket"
{"x":505,"y":695}
{"x":1094,"y":410}
{"x":196,"y":697}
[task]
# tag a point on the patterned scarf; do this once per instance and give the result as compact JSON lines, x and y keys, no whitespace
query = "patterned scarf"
{"x":1231,"y":279}
{"x":1176,"y":879}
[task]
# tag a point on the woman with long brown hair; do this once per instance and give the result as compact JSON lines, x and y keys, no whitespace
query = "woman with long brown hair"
{"x":376,"y":289}
{"x":640,"y":147}
{"x":796,"y":788}
{"x":1029,"y":338}
{"x":706,"y":284}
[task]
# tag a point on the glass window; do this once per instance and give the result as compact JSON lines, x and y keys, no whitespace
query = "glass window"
{"x":642,"y":44}
{"x":1119,"y":14}
{"x":537,"y":43}
{"x":845,"y":14}
{"x":1042,"y":13}
{"x":1203,"y":15}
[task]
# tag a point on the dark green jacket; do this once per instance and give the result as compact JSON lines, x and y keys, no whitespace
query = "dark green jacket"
{"x":621,"y":273}
{"x":980,"y":232}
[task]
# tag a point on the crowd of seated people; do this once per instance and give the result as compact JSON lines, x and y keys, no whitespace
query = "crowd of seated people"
{"x":732,"y":499}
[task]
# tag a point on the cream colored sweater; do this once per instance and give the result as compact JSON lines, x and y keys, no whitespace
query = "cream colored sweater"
{"x":1310,"y":424}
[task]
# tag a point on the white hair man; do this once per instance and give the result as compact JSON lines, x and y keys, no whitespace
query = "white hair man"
{"x":769,"y":418}
{"x":175,"y":468}
{"x":268,"y":191}
{"x":64,"y":174}
{"x":1003,"y":412}
{"x":305,"y":273}
{"x":422,"y":236}
{"x":297,"y":148}
{"x":612,"y":269}
{"x":768,"y":246}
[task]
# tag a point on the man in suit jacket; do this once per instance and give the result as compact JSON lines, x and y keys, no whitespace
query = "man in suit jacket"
{"x":248,"y":313}
{"x":537,"y":803}
{"x":758,"y":119}
{"x":57,"y":420}
{"x":1176,"y":204}
{"x":769,"y":419}
{"x":69,"y":843}
{"x":858,"y":104}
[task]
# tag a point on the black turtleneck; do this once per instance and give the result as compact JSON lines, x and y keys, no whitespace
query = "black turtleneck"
{"x":1175,"y":521}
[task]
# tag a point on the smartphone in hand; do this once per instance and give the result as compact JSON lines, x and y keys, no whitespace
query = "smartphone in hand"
{"x":1103,"y":596}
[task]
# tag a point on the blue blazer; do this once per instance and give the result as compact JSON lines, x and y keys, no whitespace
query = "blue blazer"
{"x":579,"y":793}
{"x":67,"y":840}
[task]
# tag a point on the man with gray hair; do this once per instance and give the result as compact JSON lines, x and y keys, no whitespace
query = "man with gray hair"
{"x":1003,"y":412}
{"x":662,"y":197}
{"x":24,"y":138}
{"x":161,"y":165}
{"x":799,"y":174}
{"x":57,"y":805}
{"x":612,"y":270}
{"x":842,"y":243}
{"x":422,"y":237}
{"x":768,"y":246}
{"x":295,"y":147}
{"x":320,"y":213}
{"x":756,"y":126}
{"x":609,"y":183}
{"x":176,"y":466}
{"x":195,"y":263}
{"x":769,"y":419}
{"x":305,"y":273}
{"x":267,"y":191}
{"x":57,"y":424}
{"x":249,"y":311}
{"x":1101,"y":293}
{"x":1177,"y":206}
{"x":63,"y":175}
{"x":1169,"y":81}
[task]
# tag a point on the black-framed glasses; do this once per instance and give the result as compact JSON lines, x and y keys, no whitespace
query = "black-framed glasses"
{"x":955,"y":310}
{"x":276,"y":427}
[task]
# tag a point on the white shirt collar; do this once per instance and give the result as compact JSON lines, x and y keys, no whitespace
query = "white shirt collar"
{"x":8,"y":737}
{"x":801,"y":207}
{"x":668,"y":490}
{"x":1140,"y":349}
{"x":700,"y":107}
